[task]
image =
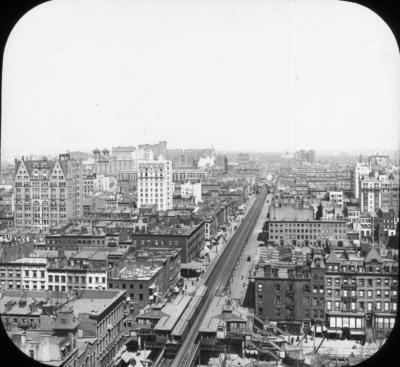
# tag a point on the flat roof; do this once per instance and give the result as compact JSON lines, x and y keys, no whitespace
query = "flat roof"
{"x":137,"y":273}
{"x":289,"y":212}
{"x":89,"y":301}
{"x":31,"y":260}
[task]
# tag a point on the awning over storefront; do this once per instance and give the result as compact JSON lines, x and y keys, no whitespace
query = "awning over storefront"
{"x":357,"y":332}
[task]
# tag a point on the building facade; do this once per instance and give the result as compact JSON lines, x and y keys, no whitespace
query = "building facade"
{"x":47,"y":193}
{"x":155,"y":186}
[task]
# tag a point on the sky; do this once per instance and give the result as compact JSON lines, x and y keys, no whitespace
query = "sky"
{"x":237,"y":75}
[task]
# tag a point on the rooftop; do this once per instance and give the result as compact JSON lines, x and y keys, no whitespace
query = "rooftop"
{"x":214,"y":315}
{"x":172,"y":310}
{"x":289,"y":212}
{"x":87,"y":301}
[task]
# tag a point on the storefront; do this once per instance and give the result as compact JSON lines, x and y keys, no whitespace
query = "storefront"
{"x":383,"y":324}
{"x":352,"y":323}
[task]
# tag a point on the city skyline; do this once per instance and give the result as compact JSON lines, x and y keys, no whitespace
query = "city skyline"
{"x":258,"y":80}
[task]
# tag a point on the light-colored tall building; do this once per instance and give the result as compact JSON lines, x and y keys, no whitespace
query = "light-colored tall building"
{"x":360,"y":170}
{"x":379,"y":192}
{"x":47,"y":192}
{"x":370,"y":194}
{"x":389,"y":193}
{"x":155,"y":184}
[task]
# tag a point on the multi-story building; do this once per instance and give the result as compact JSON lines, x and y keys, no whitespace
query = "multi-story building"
{"x":89,"y":185}
{"x":347,"y":293}
{"x":188,"y":158}
{"x":370,"y":194}
{"x":360,"y":169}
{"x":24,"y":273}
{"x":308,"y":232}
{"x":71,"y":238}
{"x":306,"y":156}
{"x":155,"y":186}
{"x":283,"y":292}
{"x":53,"y":327}
{"x":190,"y":239}
{"x":378,"y":162}
{"x":153,"y":151}
{"x":182,"y":175}
{"x":361,"y":294}
{"x":144,"y":284}
{"x":105,"y":183}
{"x":390,"y":193}
{"x":191,"y":189}
{"x":127,"y":181}
{"x":123,"y":159}
{"x":102,"y":162}
{"x":47,"y":193}
{"x":50,"y":271}
{"x":336,"y":198}
{"x":221,"y":163}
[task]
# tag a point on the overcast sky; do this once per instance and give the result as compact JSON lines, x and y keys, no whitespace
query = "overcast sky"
{"x":238,"y":75}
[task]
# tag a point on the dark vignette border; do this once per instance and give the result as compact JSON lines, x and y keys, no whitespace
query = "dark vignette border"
{"x":10,"y":13}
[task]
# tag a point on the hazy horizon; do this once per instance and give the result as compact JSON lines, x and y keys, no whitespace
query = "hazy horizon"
{"x":242,"y":75}
{"x":350,"y":153}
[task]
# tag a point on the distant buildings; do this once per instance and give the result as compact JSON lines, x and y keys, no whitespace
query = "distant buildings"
{"x":103,"y":162}
{"x":181,"y":175}
{"x":188,"y":158}
{"x":378,"y":162}
{"x":155,"y":185}
{"x":360,"y":170}
{"x":305,"y":156}
{"x":153,"y":151}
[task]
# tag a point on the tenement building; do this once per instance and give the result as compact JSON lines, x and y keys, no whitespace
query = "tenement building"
{"x":190,"y":239}
{"x":361,"y":293}
{"x":60,"y":328}
{"x":346,"y":294}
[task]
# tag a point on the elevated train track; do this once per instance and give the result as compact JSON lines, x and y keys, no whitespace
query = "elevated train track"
{"x":217,"y":281}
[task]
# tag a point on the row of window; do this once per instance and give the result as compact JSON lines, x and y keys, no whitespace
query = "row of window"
{"x":361,"y":293}
{"x":124,"y":285}
{"x":361,"y":306}
{"x":62,"y":279}
{"x":361,"y":282}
